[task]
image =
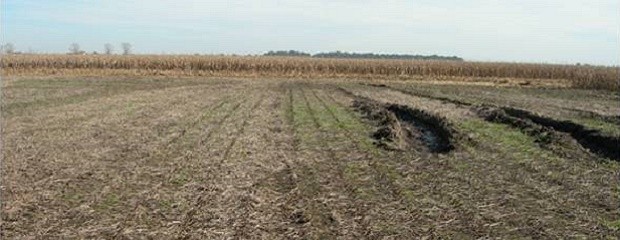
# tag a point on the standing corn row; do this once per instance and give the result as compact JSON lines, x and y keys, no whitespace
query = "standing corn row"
{"x":581,"y":76}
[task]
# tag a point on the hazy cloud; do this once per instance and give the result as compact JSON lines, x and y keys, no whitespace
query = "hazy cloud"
{"x":565,"y":31}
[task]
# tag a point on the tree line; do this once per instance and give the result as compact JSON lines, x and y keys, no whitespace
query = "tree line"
{"x":108,"y":49}
{"x":339,"y":54}
{"x":74,"y":48}
{"x":126,"y":49}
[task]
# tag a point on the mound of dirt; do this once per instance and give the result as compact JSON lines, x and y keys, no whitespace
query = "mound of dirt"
{"x":401,"y":127}
{"x":594,"y":140}
{"x":543,"y":135}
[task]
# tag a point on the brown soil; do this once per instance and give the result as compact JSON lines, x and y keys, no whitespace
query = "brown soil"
{"x":288,"y":159}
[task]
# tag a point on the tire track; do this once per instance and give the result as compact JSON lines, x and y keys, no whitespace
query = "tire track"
{"x":259,"y":188}
{"x":539,"y":173}
{"x":294,"y":143}
{"x":340,"y":124}
{"x":362,"y":208}
{"x":239,"y":220}
{"x":221,"y":199}
{"x":286,"y":180}
{"x":21,"y":108}
{"x":381,"y":172}
{"x":291,"y":121}
{"x":242,"y":128}
{"x":135,"y":154}
{"x":205,"y":194}
{"x":292,"y":148}
{"x":218,"y":124}
{"x":599,"y":143}
{"x":170,"y":149}
{"x":388,"y":185}
{"x":311,"y":111}
{"x":337,"y":181}
{"x":208,"y":110}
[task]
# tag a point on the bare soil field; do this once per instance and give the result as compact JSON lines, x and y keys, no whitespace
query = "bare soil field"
{"x":203,"y":158}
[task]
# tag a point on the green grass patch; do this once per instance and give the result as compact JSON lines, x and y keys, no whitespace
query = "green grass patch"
{"x":96,"y":89}
{"x":109,"y":202}
{"x":353,"y":124}
{"x":511,"y":141}
{"x":72,"y":198}
{"x":180,"y":178}
{"x":303,"y":123}
{"x":355,"y":174}
{"x":601,"y":125}
{"x":613,"y":225}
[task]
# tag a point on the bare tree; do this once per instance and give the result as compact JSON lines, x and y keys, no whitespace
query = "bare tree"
{"x":126,"y":48}
{"x":74,"y":48}
{"x":109,"y":48}
{"x":8,"y":48}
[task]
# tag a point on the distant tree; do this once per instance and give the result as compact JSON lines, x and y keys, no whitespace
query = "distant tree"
{"x":126,"y":48}
{"x":289,"y":53}
{"x":108,"y":48}
{"x":339,"y":54}
{"x":74,"y":48}
{"x":8,"y":48}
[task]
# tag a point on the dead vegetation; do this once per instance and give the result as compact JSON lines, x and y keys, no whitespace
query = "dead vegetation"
{"x":593,"y":77}
{"x":288,"y":159}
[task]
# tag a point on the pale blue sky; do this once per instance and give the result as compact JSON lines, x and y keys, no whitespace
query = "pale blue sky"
{"x":552,"y":31}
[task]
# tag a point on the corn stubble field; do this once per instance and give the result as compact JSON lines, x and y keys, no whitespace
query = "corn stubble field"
{"x":111,"y":153}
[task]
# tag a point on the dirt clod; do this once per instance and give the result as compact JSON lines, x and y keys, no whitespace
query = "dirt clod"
{"x":299,"y":217}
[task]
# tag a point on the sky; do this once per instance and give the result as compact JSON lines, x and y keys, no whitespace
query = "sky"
{"x":541,"y":31}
